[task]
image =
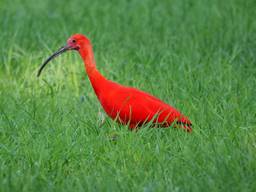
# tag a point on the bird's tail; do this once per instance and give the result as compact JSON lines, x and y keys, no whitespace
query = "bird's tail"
{"x":185,"y":123}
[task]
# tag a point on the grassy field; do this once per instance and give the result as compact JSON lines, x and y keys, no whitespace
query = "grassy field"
{"x":199,"y":56}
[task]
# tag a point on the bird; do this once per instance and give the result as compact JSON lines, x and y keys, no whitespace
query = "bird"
{"x":125,"y":105}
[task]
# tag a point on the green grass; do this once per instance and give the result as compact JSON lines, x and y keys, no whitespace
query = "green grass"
{"x":199,"y":56}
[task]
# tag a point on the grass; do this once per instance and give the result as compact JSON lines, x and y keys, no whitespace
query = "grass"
{"x":198,"y":56}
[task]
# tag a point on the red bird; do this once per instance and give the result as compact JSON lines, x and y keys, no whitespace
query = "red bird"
{"x":126,"y":105}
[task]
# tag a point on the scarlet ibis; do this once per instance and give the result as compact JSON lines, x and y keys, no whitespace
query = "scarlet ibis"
{"x":126,"y":105}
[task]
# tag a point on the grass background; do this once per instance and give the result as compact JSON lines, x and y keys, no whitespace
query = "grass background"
{"x":199,"y":56}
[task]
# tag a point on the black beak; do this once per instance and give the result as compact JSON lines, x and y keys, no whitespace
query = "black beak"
{"x":60,"y":51}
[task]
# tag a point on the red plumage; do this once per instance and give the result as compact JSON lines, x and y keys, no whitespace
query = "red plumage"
{"x":126,"y":105}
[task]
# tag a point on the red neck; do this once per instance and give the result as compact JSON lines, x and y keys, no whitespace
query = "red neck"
{"x":96,"y":79}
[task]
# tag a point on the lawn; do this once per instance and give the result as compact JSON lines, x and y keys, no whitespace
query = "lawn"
{"x":199,"y":56}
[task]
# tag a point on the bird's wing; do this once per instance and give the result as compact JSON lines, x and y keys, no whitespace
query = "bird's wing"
{"x":136,"y":106}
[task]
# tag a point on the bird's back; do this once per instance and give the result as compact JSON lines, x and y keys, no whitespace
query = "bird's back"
{"x":134,"y":107}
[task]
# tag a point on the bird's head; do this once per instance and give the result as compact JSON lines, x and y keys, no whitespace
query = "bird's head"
{"x":75,"y":42}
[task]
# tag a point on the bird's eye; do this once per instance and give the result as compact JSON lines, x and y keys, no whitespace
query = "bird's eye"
{"x":73,"y":41}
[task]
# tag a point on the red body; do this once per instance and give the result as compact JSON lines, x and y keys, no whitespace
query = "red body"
{"x":125,"y":104}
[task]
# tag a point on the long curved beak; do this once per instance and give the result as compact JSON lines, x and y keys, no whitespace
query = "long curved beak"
{"x":60,"y":51}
